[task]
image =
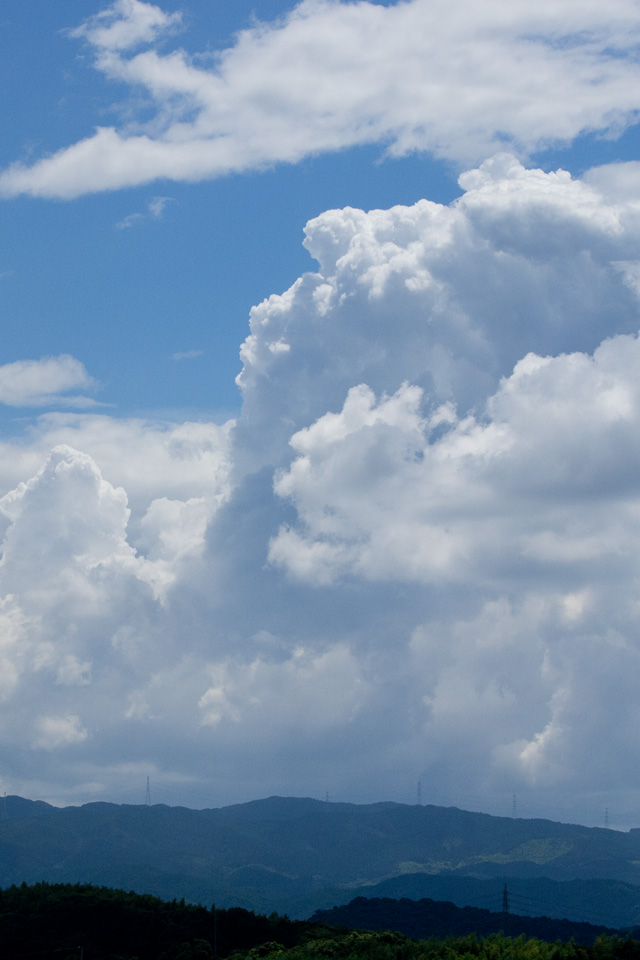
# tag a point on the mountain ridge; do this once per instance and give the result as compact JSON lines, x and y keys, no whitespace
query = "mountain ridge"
{"x":292,"y":854}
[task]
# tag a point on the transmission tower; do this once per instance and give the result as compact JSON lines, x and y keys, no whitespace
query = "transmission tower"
{"x":419,"y":801}
{"x":514,"y":806}
{"x":505,"y":900}
{"x":5,"y":815}
{"x":147,"y":796}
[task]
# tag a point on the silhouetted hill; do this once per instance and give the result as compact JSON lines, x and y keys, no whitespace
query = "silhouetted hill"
{"x":610,"y":903}
{"x":295,"y":855}
{"x":60,"y":920}
{"x":422,"y":919}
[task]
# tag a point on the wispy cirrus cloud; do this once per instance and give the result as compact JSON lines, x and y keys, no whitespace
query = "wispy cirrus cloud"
{"x":155,"y":208}
{"x":457,"y":79}
{"x":129,"y":221}
{"x":187,"y":354}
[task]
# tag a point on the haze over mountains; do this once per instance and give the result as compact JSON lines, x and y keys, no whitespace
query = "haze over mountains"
{"x":297,"y":855}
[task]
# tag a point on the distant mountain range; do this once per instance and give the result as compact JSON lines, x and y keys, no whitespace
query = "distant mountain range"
{"x":296,"y":855}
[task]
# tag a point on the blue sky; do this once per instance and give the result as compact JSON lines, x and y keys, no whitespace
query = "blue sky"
{"x":125,"y":300}
{"x":121,"y":297}
{"x":403,"y":546}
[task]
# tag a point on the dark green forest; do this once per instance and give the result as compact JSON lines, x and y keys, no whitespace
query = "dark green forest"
{"x":426,"y":918}
{"x":59,"y":920}
{"x":63,"y":921}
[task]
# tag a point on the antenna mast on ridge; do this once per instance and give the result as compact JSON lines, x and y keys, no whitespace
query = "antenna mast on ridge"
{"x":147,"y":796}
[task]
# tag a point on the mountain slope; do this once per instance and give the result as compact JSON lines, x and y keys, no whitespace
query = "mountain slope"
{"x":277,"y":850}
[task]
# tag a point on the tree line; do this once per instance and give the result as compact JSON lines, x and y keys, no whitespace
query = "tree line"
{"x":82,"y":922}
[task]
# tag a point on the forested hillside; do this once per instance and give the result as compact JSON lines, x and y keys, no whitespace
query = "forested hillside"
{"x":430,"y":918}
{"x":50,"y":920}
{"x":297,"y":855}
{"x":64,"y":922}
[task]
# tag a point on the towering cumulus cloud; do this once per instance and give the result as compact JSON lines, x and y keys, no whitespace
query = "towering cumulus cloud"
{"x":458,"y":388}
{"x":415,"y":554}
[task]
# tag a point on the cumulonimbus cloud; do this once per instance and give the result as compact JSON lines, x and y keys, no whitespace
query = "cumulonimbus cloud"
{"x":457,"y":79}
{"x":414,"y":554}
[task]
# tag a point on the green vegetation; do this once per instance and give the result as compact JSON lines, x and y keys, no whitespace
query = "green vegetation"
{"x":360,"y":945}
{"x":67,"y":922}
{"x":59,"y":920}
{"x":295,"y":855}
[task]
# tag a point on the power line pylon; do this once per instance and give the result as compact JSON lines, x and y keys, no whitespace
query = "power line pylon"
{"x":147,"y":796}
{"x":505,"y":900}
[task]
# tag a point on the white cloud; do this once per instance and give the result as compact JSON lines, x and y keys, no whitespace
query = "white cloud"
{"x":446,"y":298}
{"x":187,"y":354}
{"x":378,"y":495}
{"x":126,"y":24}
{"x":65,"y":522}
{"x":157,"y":204}
{"x":501,"y":478}
{"x":56,"y":732}
{"x":155,"y":207}
{"x":12,"y":634}
{"x":414,"y":556}
{"x":129,"y":221}
{"x":39,"y":383}
{"x":273,"y":696}
{"x":149,"y":459}
{"x":458,"y":79}
{"x":616,"y":181}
